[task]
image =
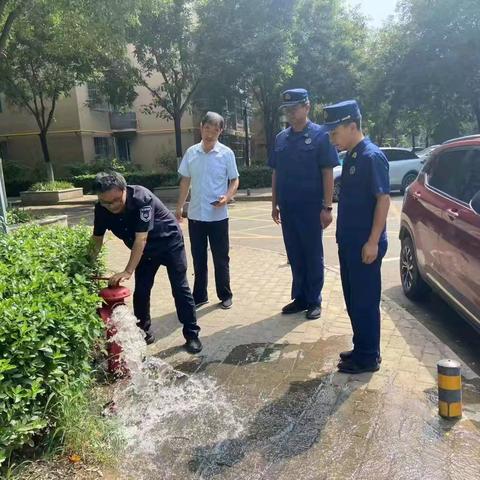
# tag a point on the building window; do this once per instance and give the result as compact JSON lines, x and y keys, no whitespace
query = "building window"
{"x":103,"y":147}
{"x":95,"y":99}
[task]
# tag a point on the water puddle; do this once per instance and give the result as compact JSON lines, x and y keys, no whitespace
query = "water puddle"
{"x":282,"y":412}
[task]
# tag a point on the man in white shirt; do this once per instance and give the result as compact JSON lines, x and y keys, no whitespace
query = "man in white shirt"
{"x":209,"y":168}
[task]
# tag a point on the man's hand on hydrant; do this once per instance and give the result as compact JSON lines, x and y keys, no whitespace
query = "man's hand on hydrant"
{"x":118,"y":278}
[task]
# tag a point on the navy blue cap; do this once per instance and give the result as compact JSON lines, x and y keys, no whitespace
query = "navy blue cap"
{"x":343,"y":112}
{"x":295,"y":96}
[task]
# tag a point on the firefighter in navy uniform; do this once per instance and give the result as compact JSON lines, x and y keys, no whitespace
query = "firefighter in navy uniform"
{"x":361,"y":233}
{"x":302,"y":190}
{"x":151,"y":232}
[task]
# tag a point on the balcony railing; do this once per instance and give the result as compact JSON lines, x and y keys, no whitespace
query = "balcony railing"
{"x":123,"y":121}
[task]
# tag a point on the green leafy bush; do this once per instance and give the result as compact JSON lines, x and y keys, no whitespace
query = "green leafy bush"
{"x":148,"y":180}
{"x":17,"y":215}
{"x":102,"y":165}
{"x":48,"y":327}
{"x":251,"y":177}
{"x":14,"y":187}
{"x":50,"y":186}
{"x":255,"y":177}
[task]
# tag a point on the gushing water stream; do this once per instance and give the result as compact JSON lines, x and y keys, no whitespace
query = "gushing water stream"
{"x":161,"y":410}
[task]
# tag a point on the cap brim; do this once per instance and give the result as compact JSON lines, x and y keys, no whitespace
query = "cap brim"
{"x":292,"y":104}
{"x":345,"y":121}
{"x":331,"y":126}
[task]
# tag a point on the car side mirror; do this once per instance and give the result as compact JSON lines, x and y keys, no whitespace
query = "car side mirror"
{"x":475,"y":203}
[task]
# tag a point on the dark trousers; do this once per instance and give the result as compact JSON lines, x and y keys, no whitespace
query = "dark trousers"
{"x":362,"y":286}
{"x":175,"y":261}
{"x":215,"y":233}
{"x":302,"y":234}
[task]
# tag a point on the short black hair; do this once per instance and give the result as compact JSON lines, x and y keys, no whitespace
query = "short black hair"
{"x":213,"y":118}
{"x":106,"y":181}
{"x":357,"y":122}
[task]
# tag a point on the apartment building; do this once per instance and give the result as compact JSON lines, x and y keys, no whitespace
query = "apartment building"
{"x":85,"y":129}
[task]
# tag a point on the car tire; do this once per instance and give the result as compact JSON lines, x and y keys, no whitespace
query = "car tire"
{"x":336,"y":190}
{"x":409,"y":178}
{"x":414,"y":286}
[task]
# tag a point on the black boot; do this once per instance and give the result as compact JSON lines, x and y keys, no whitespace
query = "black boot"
{"x":193,"y":345}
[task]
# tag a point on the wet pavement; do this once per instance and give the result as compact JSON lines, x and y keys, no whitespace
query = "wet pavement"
{"x":264,"y":401}
{"x":283,"y":410}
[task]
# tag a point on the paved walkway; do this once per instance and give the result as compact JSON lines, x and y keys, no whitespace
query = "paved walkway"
{"x":302,"y":419}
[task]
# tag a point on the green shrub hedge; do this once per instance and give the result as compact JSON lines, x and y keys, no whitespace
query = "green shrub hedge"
{"x":14,"y":187}
{"x":252,"y":177}
{"x":50,"y":186}
{"x":255,"y":177}
{"x":48,"y":328}
{"x":148,"y":180}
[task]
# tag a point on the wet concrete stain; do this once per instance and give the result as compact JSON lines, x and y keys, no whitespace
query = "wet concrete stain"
{"x":303,"y":421}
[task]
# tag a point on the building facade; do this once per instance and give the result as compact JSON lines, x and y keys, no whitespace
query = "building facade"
{"x":85,"y":129}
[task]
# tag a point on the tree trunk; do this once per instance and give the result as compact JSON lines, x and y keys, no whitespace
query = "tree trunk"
{"x":177,"y":120}
{"x":269,"y":129}
{"x":46,"y":156}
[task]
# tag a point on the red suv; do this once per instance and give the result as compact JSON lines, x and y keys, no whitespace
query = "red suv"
{"x":440,"y":229}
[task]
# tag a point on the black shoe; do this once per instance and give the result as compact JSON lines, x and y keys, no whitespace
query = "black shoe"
{"x":348,"y":354}
{"x":313,"y":312}
{"x":149,"y":338}
{"x":226,"y":304}
{"x":293,"y":307}
{"x":200,"y":304}
{"x":349,"y":366}
{"x":193,"y":345}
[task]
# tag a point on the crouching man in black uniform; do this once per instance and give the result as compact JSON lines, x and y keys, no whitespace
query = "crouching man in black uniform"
{"x":151,"y":232}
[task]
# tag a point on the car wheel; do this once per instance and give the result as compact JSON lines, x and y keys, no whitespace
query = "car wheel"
{"x":414,"y":286}
{"x":336,"y":191}
{"x":407,"y":180}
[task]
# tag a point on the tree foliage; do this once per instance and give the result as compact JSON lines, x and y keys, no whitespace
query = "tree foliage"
{"x":165,"y":50}
{"x":56,"y":47}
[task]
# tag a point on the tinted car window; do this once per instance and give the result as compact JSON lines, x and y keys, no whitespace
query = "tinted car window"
{"x":405,"y":155}
{"x":391,"y":155}
{"x":447,"y":172}
{"x":395,"y":155}
{"x":471,"y":185}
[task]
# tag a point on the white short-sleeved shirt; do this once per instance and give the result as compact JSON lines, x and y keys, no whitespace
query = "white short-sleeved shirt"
{"x":210,"y":174}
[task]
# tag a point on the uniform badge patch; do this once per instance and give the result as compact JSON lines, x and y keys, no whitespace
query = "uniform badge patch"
{"x":354,"y":155}
{"x":146,"y":213}
{"x":352,"y":170}
{"x":308,"y":141}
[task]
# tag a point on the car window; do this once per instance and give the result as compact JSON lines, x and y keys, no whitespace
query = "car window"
{"x":405,"y":155}
{"x":447,"y":172}
{"x":395,"y":155}
{"x":391,"y":155}
{"x":471,"y":185}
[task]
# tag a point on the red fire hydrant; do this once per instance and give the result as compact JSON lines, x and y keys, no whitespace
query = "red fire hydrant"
{"x":113,"y":297}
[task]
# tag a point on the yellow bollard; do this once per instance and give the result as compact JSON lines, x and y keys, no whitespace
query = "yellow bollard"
{"x":449,"y":389}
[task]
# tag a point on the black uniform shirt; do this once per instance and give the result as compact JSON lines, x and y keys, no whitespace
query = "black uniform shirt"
{"x":144,"y":212}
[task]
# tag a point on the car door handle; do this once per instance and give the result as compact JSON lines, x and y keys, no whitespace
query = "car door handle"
{"x":452,"y":213}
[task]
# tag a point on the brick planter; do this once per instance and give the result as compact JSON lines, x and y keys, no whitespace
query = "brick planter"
{"x":50,"y":198}
{"x":55,"y":221}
